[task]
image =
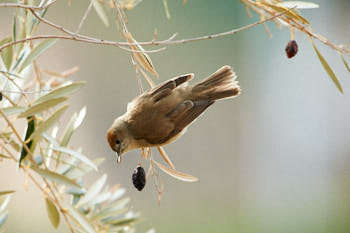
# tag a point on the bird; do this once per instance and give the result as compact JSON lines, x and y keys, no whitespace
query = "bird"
{"x":162,"y":114}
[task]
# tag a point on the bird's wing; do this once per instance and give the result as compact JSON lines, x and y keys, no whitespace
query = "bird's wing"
{"x":165,"y":89}
{"x":185,"y":113}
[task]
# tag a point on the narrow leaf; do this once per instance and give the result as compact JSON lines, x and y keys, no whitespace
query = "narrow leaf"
{"x":328,"y":69}
{"x":4,"y":202}
{"x":7,"y":53}
{"x":61,"y":91}
{"x":73,"y":124}
{"x":12,"y":110}
{"x":298,"y":4}
{"x":36,"y":52}
{"x":175,"y":174}
{"x":44,"y":126}
{"x":100,"y":11}
{"x":37,"y":108}
{"x":55,"y":177}
{"x":345,"y":63}
{"x":165,"y":3}
{"x":141,"y":56}
{"x":94,"y":190}
{"x":14,"y":29}
{"x":6,"y":192}
{"x":77,"y":155}
{"x":290,"y":13}
{"x":129,"y":4}
{"x":29,"y":132}
{"x":3,"y":217}
{"x":52,"y":213}
{"x":81,"y":219}
{"x":165,"y":157}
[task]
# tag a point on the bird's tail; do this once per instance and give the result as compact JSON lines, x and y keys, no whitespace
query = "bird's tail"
{"x":219,"y":85}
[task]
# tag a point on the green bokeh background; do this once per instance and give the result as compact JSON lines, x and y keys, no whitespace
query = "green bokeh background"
{"x":275,"y":159}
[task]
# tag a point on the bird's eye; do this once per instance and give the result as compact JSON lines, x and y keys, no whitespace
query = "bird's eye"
{"x":117,"y":141}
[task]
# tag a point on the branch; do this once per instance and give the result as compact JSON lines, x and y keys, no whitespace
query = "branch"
{"x":86,"y":39}
{"x":30,"y":7}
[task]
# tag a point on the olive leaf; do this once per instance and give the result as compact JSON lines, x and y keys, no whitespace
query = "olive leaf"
{"x":61,"y":91}
{"x":30,"y":130}
{"x":290,"y":13}
{"x":141,"y":56}
{"x":43,"y":126}
{"x":328,"y":69}
{"x":165,"y":157}
{"x":12,"y":110}
{"x":167,"y":12}
{"x":81,"y":219}
{"x":77,"y":155}
{"x":52,"y":213}
{"x":7,"y":53}
{"x":6,"y":192}
{"x":100,"y":11}
{"x":42,"y":106}
{"x":345,"y":63}
{"x":298,"y":5}
{"x":176,"y":174}
{"x":55,"y":177}
{"x":36,"y":52}
{"x":72,"y":125}
{"x":94,"y":190}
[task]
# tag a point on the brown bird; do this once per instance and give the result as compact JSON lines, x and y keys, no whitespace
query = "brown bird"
{"x":161,"y":114}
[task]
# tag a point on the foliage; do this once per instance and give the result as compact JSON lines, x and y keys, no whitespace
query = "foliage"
{"x":52,"y":163}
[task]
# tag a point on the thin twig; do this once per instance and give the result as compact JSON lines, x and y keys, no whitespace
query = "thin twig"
{"x":30,"y":7}
{"x":86,"y":39}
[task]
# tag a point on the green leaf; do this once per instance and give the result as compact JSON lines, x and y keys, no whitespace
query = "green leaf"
{"x":100,"y":11}
{"x":51,"y":121}
{"x":345,"y":63}
{"x":61,"y":91}
{"x":328,"y":69}
{"x":81,"y":219}
{"x":73,"y":124}
{"x":37,"y":108}
{"x":55,"y":177}
{"x":14,"y":29}
{"x":165,"y":3}
{"x":113,"y":209}
{"x":77,"y":155}
{"x":52,"y":213}
{"x":6,"y":192}
{"x":12,"y":110}
{"x":93,"y":191}
{"x":22,"y":33}
{"x":29,"y":132}
{"x":4,"y":156}
{"x":4,"y":202}
{"x":83,"y":169}
{"x":36,"y":52}
{"x":298,"y":4}
{"x":176,"y":174}
{"x":7,"y":53}
{"x":3,"y":218}
{"x":29,"y":22}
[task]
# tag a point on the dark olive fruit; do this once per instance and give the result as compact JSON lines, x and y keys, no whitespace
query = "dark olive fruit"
{"x":291,"y":48}
{"x":139,"y":178}
{"x":0,"y":95}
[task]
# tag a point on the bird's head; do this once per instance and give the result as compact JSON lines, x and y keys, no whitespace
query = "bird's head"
{"x":119,"y":138}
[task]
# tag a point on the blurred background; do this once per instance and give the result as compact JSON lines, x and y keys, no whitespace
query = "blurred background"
{"x":275,"y":159}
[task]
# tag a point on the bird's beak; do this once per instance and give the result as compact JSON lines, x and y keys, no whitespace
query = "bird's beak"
{"x":119,"y":154}
{"x":119,"y":157}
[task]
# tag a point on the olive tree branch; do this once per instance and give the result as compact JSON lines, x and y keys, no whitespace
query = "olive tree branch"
{"x":170,"y":41}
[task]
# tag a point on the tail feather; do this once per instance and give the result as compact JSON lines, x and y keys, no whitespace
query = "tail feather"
{"x":219,"y":85}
